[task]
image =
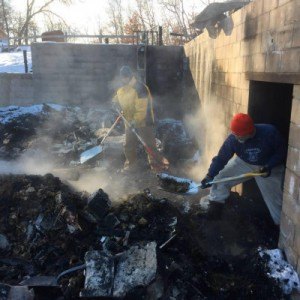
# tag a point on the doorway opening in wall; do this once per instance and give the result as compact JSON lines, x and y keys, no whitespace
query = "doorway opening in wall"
{"x":269,"y":103}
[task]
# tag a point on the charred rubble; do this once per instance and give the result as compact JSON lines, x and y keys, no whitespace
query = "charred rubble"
{"x":143,"y":248}
{"x":59,"y":243}
{"x":61,"y":133}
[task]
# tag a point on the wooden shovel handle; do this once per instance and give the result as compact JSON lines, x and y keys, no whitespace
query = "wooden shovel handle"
{"x":246,"y":175}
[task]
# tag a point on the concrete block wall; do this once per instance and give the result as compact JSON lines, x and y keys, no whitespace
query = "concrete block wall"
{"x":16,"y":89}
{"x":78,"y":73}
{"x":265,"y":39}
{"x":264,"y":46}
{"x":83,"y":74}
{"x":290,"y":217}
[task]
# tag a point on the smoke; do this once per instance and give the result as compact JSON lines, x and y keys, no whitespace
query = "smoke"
{"x":116,"y":186}
{"x":208,"y":126}
{"x":31,"y":162}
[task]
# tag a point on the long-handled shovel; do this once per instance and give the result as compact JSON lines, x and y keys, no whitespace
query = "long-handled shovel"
{"x":89,"y":154}
{"x":186,"y":186}
{"x":162,"y":162}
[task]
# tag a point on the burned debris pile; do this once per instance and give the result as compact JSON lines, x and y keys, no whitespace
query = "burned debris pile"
{"x":60,"y":244}
{"x":177,"y":144}
{"x":60,"y":134}
{"x":58,"y":131}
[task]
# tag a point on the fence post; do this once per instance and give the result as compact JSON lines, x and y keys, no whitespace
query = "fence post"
{"x":25,"y":60}
{"x":160,"y":41}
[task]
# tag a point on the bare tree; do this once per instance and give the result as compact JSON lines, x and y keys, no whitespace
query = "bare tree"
{"x":145,"y":11}
{"x":55,"y":24}
{"x":116,"y":17}
{"x":34,"y":8}
{"x":178,"y":19}
{"x":5,"y":16}
{"x":176,"y":9}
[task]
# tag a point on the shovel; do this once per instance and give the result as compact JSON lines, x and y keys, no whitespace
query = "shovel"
{"x":89,"y":154}
{"x":186,"y":186}
{"x":161,"y":162}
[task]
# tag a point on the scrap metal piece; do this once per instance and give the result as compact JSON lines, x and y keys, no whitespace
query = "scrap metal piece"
{"x":69,"y":271}
{"x":168,"y":241}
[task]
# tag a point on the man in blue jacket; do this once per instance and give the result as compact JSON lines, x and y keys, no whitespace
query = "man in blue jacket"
{"x":257,"y":147}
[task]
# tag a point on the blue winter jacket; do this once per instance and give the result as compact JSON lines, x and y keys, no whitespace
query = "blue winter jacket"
{"x":265,"y":148}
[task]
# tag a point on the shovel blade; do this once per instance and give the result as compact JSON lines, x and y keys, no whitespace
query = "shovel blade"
{"x":177,"y":185}
{"x":89,"y":154}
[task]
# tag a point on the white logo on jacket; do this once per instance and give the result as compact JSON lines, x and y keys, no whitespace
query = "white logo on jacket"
{"x":253,"y":154}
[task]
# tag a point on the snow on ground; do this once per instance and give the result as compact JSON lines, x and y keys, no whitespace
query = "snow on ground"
{"x":281,"y":270}
{"x":9,"y":113}
{"x":13,"y":62}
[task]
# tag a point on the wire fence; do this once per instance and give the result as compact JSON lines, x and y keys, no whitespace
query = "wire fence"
{"x":138,"y":37}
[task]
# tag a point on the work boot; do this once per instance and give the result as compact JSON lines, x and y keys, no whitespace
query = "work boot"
{"x":214,"y":211}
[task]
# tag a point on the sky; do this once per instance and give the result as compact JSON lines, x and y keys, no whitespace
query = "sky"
{"x":85,"y":14}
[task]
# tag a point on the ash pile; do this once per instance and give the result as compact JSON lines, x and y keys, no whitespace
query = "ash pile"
{"x":56,"y":243}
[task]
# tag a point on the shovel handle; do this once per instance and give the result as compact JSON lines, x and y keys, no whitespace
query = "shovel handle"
{"x":110,"y":130}
{"x":147,"y":148}
{"x":246,"y":175}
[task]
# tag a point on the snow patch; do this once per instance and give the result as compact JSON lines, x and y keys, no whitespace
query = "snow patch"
{"x":280,"y":270}
{"x":9,"y":113}
{"x":13,"y":62}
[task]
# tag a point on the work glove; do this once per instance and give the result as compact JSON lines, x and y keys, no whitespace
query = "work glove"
{"x":265,"y":169}
{"x":205,"y":182}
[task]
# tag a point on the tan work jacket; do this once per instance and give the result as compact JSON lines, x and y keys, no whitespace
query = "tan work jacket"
{"x":136,"y":102}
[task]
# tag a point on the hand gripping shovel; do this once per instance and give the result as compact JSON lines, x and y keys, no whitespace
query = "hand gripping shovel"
{"x":89,"y":154}
{"x":186,"y":186}
{"x":162,"y":162}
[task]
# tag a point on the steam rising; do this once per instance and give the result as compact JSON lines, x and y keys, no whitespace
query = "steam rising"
{"x":209,"y":128}
{"x":34,"y":163}
{"x":115,"y":186}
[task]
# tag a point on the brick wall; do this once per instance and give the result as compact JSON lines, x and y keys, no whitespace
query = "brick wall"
{"x":263,"y":46}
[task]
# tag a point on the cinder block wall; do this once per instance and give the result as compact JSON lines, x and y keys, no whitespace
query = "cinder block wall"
{"x":87,"y":74}
{"x":77,"y":73}
{"x":290,"y":217}
{"x":16,"y":89}
{"x":264,"y":46}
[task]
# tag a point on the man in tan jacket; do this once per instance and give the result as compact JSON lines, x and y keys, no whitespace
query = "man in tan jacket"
{"x":136,"y":103}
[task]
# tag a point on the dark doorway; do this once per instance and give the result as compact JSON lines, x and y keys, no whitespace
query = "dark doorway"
{"x":269,"y":103}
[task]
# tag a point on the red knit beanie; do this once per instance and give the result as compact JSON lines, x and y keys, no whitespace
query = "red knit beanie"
{"x":242,"y":125}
